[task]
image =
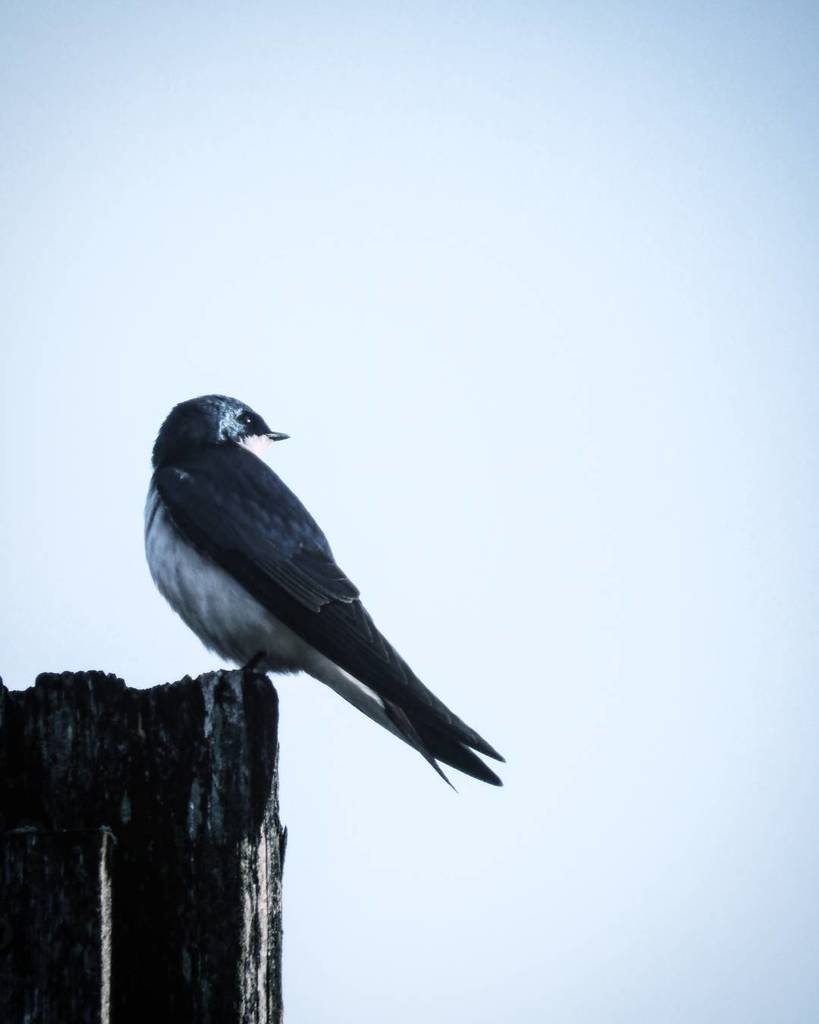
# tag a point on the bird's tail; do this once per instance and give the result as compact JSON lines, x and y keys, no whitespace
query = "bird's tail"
{"x":454,"y":753}
{"x":433,"y":741}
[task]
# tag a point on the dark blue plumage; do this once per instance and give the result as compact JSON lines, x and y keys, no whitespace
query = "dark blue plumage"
{"x":246,"y":565}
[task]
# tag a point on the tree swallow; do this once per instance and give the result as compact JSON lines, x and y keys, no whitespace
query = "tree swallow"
{"x":242,"y":561}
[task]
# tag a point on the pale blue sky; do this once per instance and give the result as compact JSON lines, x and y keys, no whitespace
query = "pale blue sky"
{"x":533,"y":289}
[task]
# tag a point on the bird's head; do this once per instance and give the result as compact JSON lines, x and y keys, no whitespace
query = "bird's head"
{"x":211,"y":420}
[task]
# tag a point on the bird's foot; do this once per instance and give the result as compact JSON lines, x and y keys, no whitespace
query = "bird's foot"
{"x":254,"y":663}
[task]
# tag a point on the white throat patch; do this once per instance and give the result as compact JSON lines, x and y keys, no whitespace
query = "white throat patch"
{"x":256,"y":443}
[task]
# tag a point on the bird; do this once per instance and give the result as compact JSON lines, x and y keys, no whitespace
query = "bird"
{"x":244,"y":564}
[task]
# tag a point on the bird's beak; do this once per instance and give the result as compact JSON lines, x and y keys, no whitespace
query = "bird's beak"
{"x":274,"y":435}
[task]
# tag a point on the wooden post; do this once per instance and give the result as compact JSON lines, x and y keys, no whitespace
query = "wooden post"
{"x":140,"y":851}
{"x":56,"y":885}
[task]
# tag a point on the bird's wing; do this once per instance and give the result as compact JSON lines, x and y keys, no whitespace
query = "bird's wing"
{"x":234,"y":509}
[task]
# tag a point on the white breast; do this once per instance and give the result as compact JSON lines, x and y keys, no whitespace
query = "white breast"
{"x":225,"y":617}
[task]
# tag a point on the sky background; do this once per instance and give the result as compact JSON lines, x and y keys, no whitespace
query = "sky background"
{"x":533,"y":287}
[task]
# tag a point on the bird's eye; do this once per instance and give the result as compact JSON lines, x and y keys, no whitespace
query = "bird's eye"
{"x":247,"y":418}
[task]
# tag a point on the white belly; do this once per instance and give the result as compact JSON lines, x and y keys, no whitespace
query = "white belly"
{"x":225,"y":617}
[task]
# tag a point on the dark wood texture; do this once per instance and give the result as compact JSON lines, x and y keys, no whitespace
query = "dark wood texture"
{"x":185,"y":777}
{"x":55,"y":885}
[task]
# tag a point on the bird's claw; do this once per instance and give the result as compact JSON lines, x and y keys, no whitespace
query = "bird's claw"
{"x":254,"y":662}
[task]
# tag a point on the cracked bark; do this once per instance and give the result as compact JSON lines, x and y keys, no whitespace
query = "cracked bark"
{"x":176,"y":911}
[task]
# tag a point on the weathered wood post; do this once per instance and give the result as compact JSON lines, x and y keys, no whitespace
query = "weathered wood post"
{"x":140,"y":851}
